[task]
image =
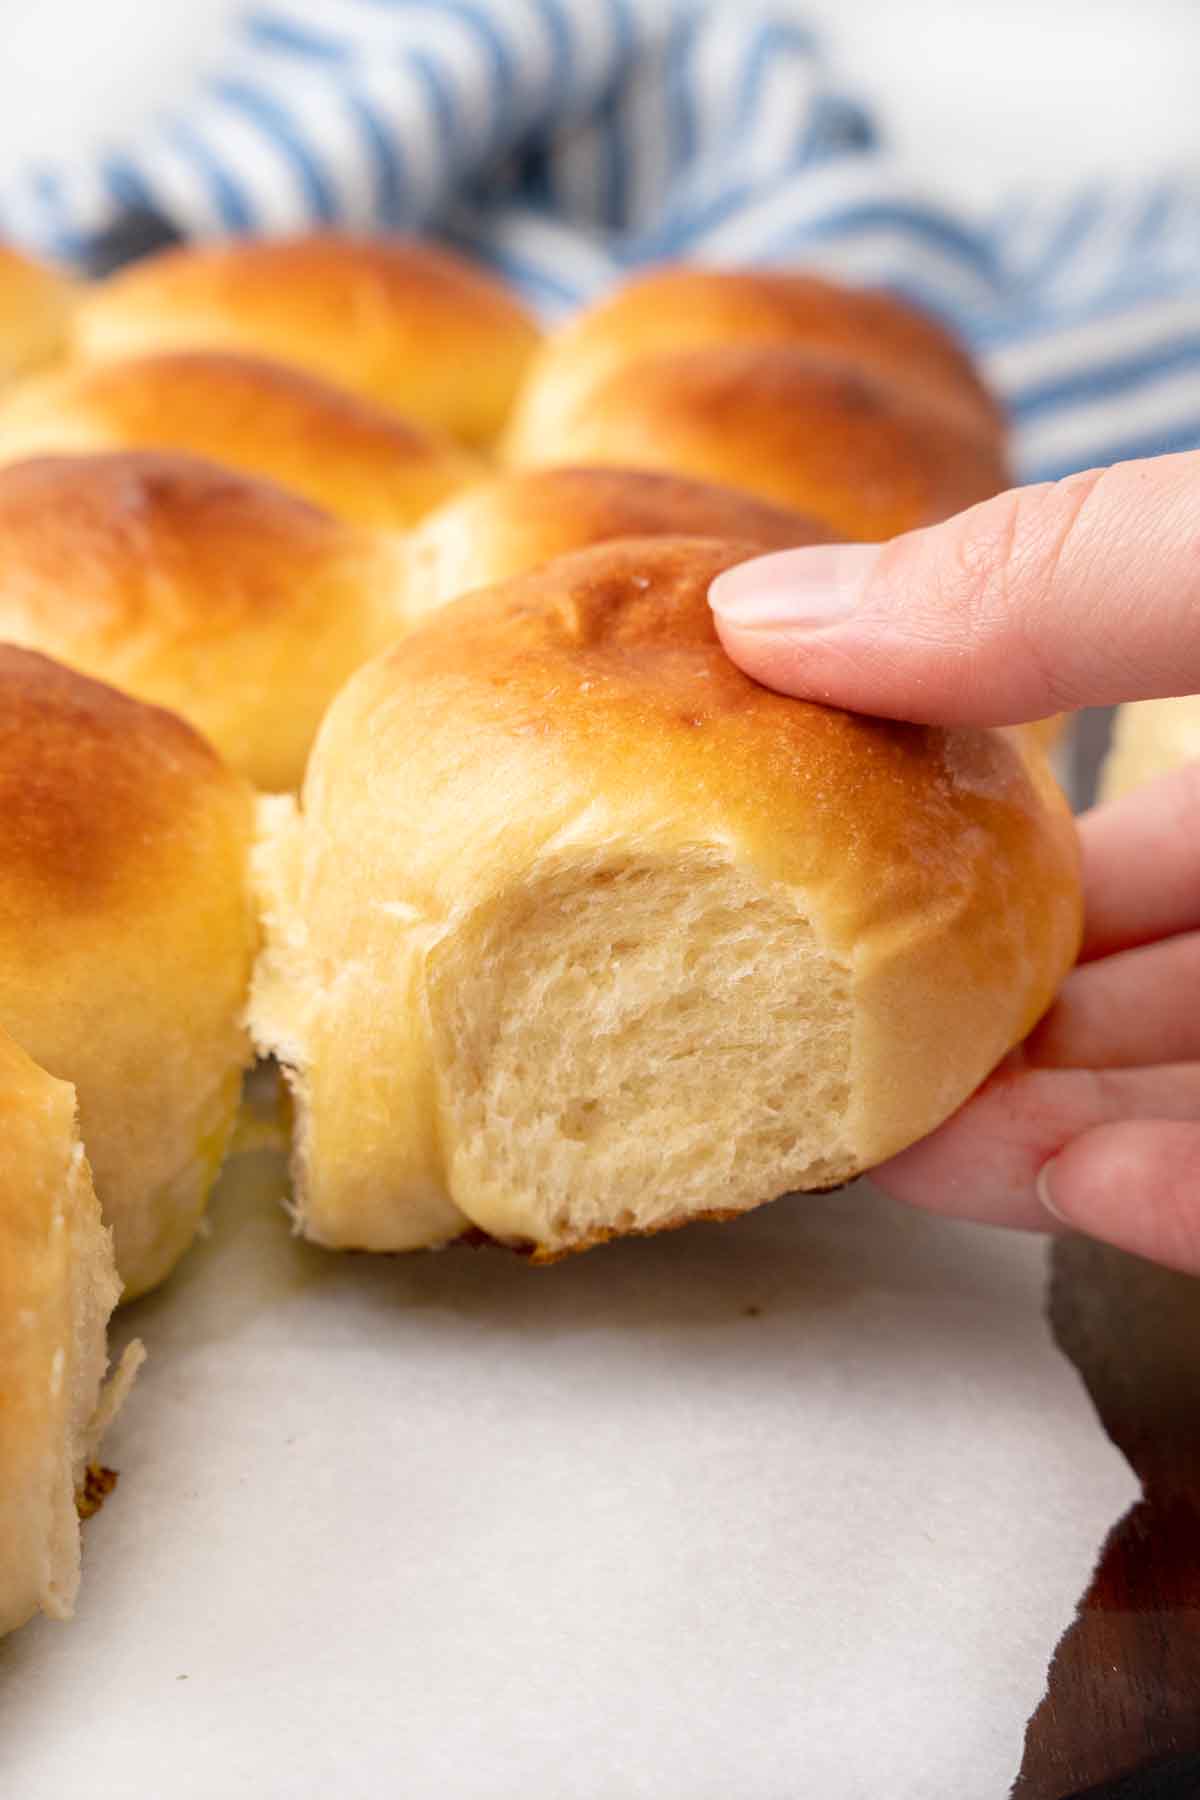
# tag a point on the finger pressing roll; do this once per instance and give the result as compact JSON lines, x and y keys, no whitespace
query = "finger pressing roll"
{"x":407,"y":325}
{"x":866,"y":457}
{"x":577,"y":931}
{"x":58,"y":1286}
{"x":221,"y":596}
{"x":126,"y":939}
{"x":523,"y":517}
{"x":360,"y":461}
{"x":675,"y":309}
{"x":1043,"y":599}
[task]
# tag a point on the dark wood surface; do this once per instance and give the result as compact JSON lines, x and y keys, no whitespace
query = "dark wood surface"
{"x":1123,"y":1691}
{"x":1124,"y":1687}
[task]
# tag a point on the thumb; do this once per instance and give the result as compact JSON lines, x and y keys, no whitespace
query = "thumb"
{"x":1081,"y":592}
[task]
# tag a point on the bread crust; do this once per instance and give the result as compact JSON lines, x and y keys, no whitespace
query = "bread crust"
{"x":868,"y":458}
{"x":357,"y":459}
{"x":223,"y":597}
{"x":126,"y":939}
{"x":406,"y":324}
{"x":678,"y":308}
{"x":36,"y":304}
{"x":584,"y":717}
{"x":523,"y":517}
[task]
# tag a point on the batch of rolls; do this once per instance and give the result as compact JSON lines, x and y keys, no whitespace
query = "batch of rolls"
{"x":360,"y":708}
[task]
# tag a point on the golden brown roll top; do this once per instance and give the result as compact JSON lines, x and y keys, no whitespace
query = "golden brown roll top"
{"x":35,"y":312}
{"x":676,"y":308}
{"x":867,"y":458}
{"x":58,"y":1287}
{"x":356,"y":459}
{"x":509,"y":524}
{"x":579,"y":931}
{"x":244,"y":609}
{"x":126,"y":937}
{"x":405,"y":324}
{"x":225,"y":598}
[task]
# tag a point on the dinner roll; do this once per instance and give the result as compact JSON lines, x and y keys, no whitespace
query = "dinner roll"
{"x":405,"y":324}
{"x":225,"y":598}
{"x":355,"y":459}
{"x":679,"y":308}
{"x":578,"y":931}
{"x":510,"y":524}
{"x":35,"y":309}
{"x":1050,"y":732}
{"x":1149,"y":738}
{"x":57,"y":1289}
{"x":868,"y":458}
{"x":126,"y":937}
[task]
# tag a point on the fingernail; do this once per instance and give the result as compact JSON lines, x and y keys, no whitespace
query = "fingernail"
{"x":806,"y":588}
{"x":1044,"y":1189}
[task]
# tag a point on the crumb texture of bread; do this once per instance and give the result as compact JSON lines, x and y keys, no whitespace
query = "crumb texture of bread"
{"x":630,"y":1037}
{"x":221,"y":596}
{"x":353,"y":457}
{"x":58,"y":1286}
{"x":127,"y":936}
{"x":577,"y":931}
{"x":406,"y":324}
{"x":1149,"y":738}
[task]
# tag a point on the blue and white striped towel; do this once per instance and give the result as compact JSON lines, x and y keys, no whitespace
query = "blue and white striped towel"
{"x":569,"y":141}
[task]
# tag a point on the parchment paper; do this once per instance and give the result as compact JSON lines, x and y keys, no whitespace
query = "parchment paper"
{"x":793,"y":1507}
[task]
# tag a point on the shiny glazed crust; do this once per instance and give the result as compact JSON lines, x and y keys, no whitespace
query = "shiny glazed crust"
{"x":675,"y":309}
{"x":126,"y":938}
{"x":524,"y":517}
{"x":405,"y":324}
{"x":353,"y":457}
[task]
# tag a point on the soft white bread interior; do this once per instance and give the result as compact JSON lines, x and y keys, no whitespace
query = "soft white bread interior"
{"x":523,"y":517}
{"x":358,"y":460}
{"x":223,"y":597}
{"x":126,"y":938}
{"x":1149,"y":738}
{"x":58,"y":1286}
{"x":406,"y":324}
{"x":578,"y":931}
{"x":36,"y":304}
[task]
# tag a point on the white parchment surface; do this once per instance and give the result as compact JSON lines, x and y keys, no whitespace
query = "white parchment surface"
{"x":793,"y":1507}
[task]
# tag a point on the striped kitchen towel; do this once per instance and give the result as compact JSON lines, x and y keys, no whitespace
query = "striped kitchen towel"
{"x":571,"y":141}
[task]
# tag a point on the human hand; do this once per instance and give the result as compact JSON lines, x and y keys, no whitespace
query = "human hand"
{"x":1082,"y":592}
